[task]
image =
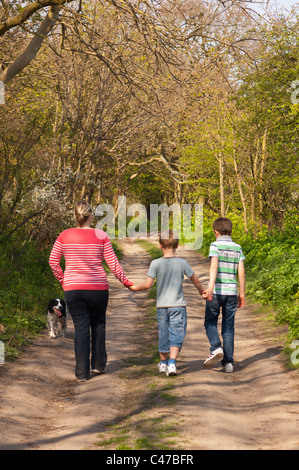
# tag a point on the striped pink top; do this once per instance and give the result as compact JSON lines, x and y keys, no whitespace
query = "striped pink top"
{"x":84,"y":251}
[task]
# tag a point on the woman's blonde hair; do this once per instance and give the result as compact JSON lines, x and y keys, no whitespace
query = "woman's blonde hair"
{"x":83,"y":210}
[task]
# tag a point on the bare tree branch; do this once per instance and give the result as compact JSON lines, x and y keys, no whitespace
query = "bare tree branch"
{"x":34,"y":46}
{"x":27,"y":12}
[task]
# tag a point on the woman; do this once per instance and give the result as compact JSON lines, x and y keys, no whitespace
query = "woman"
{"x":85,"y":286}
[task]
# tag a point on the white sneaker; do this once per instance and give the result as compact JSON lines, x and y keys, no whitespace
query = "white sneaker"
{"x":171,"y":369}
{"x":162,"y":367}
{"x":216,"y":356}
{"x":229,"y":368}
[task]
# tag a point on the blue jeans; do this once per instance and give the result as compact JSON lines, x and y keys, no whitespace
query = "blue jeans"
{"x":229,"y":304}
{"x":172,"y":325}
{"x":88,"y":311}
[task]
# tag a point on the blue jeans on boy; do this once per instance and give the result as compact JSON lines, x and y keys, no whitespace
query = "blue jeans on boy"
{"x":229,"y":304}
{"x":172,"y":325}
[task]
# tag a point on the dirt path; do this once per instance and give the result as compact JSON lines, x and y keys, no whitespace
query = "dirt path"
{"x":256,"y":407}
{"x":43,"y":407}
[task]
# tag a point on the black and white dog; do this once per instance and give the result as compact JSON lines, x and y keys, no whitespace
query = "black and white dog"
{"x":56,"y":315}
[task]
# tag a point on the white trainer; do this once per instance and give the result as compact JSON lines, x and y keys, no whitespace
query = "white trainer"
{"x":229,"y":368}
{"x":215,"y":357}
{"x":162,"y":366}
{"x":171,"y":369}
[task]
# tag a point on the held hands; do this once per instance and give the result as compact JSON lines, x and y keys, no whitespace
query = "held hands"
{"x":133,"y":288}
{"x":207,"y":295}
{"x":128,"y":284}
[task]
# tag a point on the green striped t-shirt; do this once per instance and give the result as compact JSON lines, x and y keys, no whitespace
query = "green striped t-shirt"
{"x":229,"y":255}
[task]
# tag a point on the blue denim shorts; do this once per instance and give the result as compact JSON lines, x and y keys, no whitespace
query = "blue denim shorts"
{"x":172,"y":325}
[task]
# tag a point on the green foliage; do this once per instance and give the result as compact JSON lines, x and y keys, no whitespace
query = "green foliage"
{"x":26,"y":285}
{"x":272,"y":268}
{"x":153,"y":250}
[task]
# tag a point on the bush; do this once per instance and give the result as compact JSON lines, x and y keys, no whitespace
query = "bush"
{"x":272,"y":269}
{"x":26,"y":285}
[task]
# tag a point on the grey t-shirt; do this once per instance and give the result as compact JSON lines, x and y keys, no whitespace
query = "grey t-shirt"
{"x":170,"y":274}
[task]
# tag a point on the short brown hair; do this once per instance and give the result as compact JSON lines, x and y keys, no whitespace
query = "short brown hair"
{"x":169,"y":239}
{"x":223,"y":225}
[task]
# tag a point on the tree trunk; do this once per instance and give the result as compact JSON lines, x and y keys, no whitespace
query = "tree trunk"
{"x":242,"y":197}
{"x":254,"y":162}
{"x":34,"y":46}
{"x":262,"y":169}
{"x":221,"y":182}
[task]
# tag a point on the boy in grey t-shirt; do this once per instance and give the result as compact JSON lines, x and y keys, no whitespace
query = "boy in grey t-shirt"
{"x":171,"y":306}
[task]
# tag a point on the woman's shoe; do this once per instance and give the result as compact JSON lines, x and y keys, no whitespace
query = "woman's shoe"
{"x":97,"y":371}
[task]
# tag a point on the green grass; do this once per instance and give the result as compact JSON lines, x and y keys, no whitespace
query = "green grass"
{"x":153,"y":250}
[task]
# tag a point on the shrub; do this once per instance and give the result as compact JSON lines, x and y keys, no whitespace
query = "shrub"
{"x":272,"y":268}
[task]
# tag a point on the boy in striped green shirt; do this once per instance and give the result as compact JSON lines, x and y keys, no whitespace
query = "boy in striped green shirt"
{"x":227,"y":261}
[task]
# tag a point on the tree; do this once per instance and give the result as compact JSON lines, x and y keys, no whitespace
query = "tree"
{"x":132,"y":91}
{"x":272,"y":120}
{"x":168,"y":29}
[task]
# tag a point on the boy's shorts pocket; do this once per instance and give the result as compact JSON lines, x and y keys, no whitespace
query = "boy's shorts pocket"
{"x":177,"y":326}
